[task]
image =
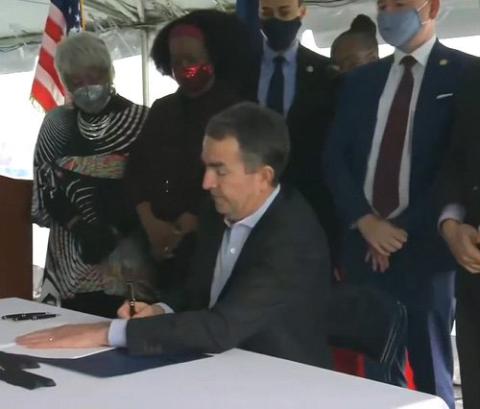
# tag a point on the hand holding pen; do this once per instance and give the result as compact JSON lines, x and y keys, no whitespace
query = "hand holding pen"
{"x":131,"y":298}
{"x":138,"y":310}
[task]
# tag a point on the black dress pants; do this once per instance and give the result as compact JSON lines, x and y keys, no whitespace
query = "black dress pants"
{"x":468,"y":338}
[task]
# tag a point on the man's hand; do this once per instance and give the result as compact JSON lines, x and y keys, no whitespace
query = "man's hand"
{"x":141,"y":310}
{"x":381,"y":235}
{"x":463,"y":241}
{"x":68,"y":336}
{"x":380,"y":263}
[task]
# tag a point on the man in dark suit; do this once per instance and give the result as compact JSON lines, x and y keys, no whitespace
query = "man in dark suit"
{"x":459,"y":224}
{"x":297,"y":83}
{"x":260,"y":278}
{"x":383,"y":156}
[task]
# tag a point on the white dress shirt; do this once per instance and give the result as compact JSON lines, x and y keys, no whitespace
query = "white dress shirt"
{"x":454,"y":211}
{"x":421,"y":55}
{"x":289,"y":74}
{"x":233,"y":241}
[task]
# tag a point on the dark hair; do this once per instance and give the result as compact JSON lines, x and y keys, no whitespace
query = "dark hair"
{"x":363,"y":29}
{"x":363,"y":24}
{"x":228,"y":44}
{"x":261,"y":133}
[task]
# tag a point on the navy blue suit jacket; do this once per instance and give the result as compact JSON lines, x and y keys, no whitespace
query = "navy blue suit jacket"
{"x":348,"y":149}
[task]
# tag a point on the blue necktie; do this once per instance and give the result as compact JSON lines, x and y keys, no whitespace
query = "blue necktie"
{"x":275,"y":94}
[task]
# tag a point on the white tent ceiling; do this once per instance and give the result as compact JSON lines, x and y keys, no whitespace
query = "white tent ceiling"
{"x":20,"y":18}
{"x":25,"y":17}
{"x":22,"y":22}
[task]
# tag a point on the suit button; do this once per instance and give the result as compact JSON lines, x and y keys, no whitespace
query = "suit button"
{"x":475,"y":188}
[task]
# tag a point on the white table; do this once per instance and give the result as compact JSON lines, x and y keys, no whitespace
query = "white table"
{"x":234,"y":379}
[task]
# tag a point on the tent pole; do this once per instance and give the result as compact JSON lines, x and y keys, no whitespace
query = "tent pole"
{"x":145,"y":70}
{"x":145,"y":52}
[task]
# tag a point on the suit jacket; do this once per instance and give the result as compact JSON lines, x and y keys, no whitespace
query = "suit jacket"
{"x":273,"y":303}
{"x":308,"y":120}
{"x":461,"y":176}
{"x":349,"y":147}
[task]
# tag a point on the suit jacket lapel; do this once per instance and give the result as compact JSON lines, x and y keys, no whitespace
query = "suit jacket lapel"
{"x":371,"y":100}
{"x":435,"y":81}
{"x":303,"y":79}
{"x":209,"y":242}
{"x":251,"y":244}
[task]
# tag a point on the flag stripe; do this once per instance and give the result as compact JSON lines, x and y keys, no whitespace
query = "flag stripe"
{"x":56,"y":15}
{"x":44,"y":77}
{"x":49,"y":45}
{"x":45,"y":60}
{"x":55,"y":31}
{"x":43,"y":95}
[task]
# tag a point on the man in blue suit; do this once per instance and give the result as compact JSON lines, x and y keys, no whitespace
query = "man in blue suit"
{"x":382,"y":159}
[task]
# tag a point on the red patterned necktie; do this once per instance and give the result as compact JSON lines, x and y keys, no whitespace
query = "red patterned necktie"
{"x":387,"y":174}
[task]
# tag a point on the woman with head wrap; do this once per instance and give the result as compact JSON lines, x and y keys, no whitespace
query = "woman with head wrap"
{"x":79,"y":162}
{"x":207,"y":53}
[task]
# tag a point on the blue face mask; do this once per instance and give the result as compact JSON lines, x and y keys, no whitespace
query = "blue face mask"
{"x":398,"y":28}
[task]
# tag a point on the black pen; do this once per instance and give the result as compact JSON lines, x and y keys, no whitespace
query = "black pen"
{"x":131,"y":298}
{"x":23,"y":315}
{"x":29,"y":317}
{"x":42,"y":317}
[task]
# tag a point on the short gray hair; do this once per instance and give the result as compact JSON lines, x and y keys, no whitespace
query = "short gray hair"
{"x":81,"y":52}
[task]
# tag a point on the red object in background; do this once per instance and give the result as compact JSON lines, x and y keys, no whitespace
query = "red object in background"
{"x":409,"y":375}
{"x":351,"y":363}
{"x":348,"y":362}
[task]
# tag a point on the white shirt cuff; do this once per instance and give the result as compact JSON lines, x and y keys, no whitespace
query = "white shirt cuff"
{"x":117,"y":333}
{"x":166,"y":308}
{"x":454,"y":211}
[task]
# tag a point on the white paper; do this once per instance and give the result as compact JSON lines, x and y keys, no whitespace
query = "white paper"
{"x":9,"y":330}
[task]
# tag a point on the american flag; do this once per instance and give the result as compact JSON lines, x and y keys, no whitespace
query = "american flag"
{"x":64,"y":16}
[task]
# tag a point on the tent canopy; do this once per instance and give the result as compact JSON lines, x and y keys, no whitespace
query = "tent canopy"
{"x":22,"y":22}
{"x":22,"y":19}
{"x":27,"y":17}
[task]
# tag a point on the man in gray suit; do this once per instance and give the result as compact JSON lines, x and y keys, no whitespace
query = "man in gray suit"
{"x":260,"y":278}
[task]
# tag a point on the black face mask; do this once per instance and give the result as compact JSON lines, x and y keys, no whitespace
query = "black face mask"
{"x":280,"y":33}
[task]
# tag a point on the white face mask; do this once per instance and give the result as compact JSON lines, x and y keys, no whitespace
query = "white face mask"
{"x":92,"y":98}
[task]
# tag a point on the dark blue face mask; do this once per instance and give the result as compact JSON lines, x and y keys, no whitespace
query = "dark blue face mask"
{"x":280,"y":33}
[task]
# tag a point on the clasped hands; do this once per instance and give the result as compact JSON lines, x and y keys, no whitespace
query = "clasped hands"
{"x":164,"y":237}
{"x":383,"y":239}
{"x":84,"y":335}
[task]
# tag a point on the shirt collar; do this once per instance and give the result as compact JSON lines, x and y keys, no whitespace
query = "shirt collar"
{"x":421,"y":54}
{"x":252,"y":220}
{"x":290,"y":54}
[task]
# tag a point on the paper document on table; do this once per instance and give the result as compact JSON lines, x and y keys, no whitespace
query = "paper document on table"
{"x":63,"y":353}
{"x":9,"y":330}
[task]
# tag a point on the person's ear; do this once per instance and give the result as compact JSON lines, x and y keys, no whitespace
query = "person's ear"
{"x":434,"y":9}
{"x":267,"y":175}
{"x":303,"y":11}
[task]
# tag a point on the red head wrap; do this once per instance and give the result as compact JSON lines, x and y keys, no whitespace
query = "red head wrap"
{"x":186,"y":30}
